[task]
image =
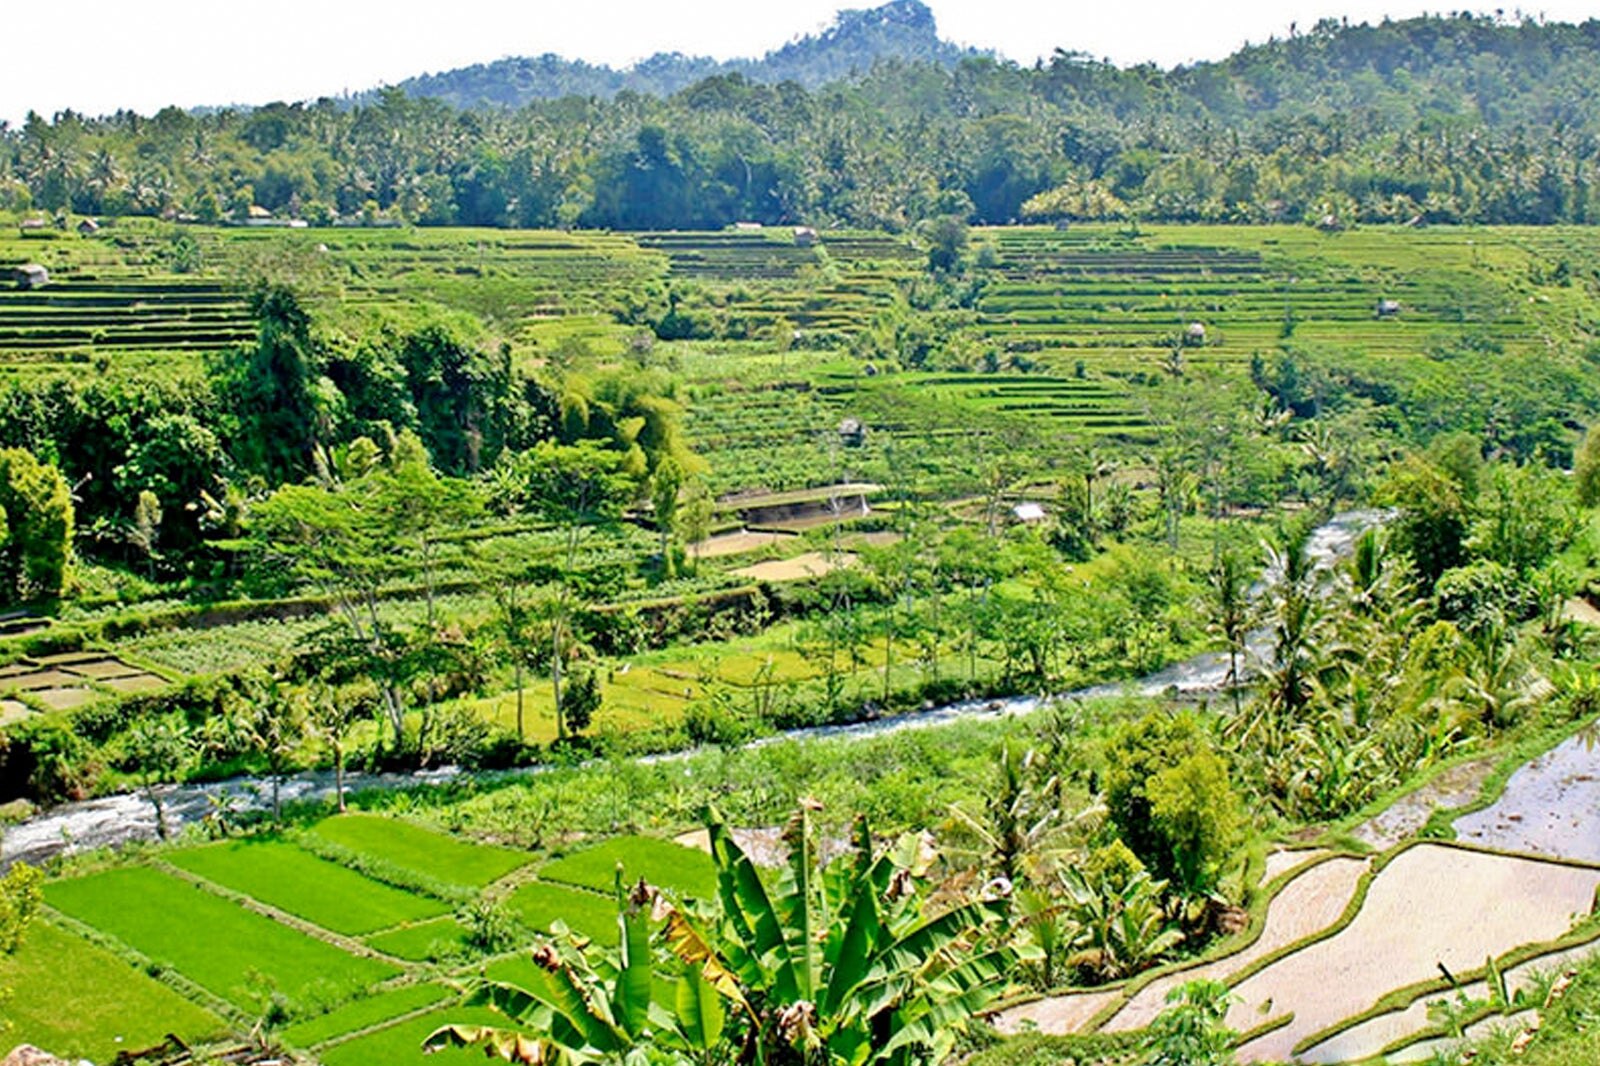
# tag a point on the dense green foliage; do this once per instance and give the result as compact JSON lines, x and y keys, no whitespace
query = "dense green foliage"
{"x":1443,"y":119}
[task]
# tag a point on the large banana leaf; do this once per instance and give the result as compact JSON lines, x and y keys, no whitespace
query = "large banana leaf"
{"x":853,"y":957}
{"x":635,"y":975}
{"x":797,"y":903}
{"x":764,"y":957}
{"x":700,"y":1019}
{"x":981,"y":981}
{"x":693,"y":948}
{"x":506,"y":1044}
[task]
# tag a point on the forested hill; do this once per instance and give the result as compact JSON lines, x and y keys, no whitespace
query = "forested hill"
{"x":901,"y":30}
{"x":1441,"y":119}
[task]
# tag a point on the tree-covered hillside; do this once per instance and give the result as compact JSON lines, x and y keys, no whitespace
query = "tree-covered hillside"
{"x":1443,"y":120}
{"x":900,"y":30}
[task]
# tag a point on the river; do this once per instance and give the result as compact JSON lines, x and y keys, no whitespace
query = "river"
{"x":111,"y":821}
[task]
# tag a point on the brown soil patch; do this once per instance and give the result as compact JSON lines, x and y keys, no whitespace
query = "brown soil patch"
{"x":1577,"y":610}
{"x":764,"y":845}
{"x":69,"y":658}
{"x":136,"y":683}
{"x":43,"y":679}
{"x":101,"y":669}
{"x":1309,"y":904}
{"x":1431,"y":905}
{"x":811,"y":564}
{"x":739,"y":543}
{"x":13,"y":711}
{"x":1055,"y":1014}
{"x":880,"y":538}
{"x":1455,"y":787}
{"x":63,"y":699}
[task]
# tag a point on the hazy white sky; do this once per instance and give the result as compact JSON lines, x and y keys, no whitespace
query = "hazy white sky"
{"x":99,"y":55}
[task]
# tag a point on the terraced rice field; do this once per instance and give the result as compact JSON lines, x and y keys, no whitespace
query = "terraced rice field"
{"x":61,"y":682}
{"x":366,"y":968}
{"x":420,"y":852}
{"x":1308,"y":987}
{"x":114,"y":1006}
{"x":1430,"y":906}
{"x":159,"y":916}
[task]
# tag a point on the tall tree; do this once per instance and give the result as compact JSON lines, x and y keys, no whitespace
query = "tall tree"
{"x":36,"y":524}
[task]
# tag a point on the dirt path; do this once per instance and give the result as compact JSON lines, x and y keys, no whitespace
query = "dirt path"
{"x":737,"y":543}
{"x":1431,"y":905}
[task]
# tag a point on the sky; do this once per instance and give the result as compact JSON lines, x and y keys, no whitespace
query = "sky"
{"x":96,"y":56}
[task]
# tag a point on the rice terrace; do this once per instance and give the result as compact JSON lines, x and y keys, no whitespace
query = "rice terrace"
{"x":885,"y":553}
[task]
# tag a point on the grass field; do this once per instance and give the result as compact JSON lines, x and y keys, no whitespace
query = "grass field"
{"x":81,"y":1001}
{"x":421,"y":851}
{"x":365,"y":1013}
{"x":230,"y":951}
{"x":662,"y":863}
{"x":401,"y":1044}
{"x":319,"y":891}
{"x":590,"y":913}
{"x":432,"y":940}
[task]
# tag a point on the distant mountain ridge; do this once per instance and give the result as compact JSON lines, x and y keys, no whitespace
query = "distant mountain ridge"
{"x":902,"y":30}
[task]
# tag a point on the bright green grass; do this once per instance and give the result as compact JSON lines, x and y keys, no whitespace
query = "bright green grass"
{"x":215,"y":943}
{"x":79,"y":1000}
{"x":317,"y":890}
{"x":592,"y":914}
{"x":423,"y":942}
{"x":661,"y":862}
{"x":364,"y":1013}
{"x":401,"y":1044}
{"x":422,"y":851}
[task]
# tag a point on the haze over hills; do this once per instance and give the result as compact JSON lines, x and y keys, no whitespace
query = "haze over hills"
{"x":899,"y":30}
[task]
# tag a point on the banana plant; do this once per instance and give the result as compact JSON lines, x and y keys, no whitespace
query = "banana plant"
{"x":605,"y":1015}
{"x":1122,"y":929}
{"x":843,"y":965}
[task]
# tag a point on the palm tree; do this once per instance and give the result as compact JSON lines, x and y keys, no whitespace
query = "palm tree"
{"x":1231,"y":612}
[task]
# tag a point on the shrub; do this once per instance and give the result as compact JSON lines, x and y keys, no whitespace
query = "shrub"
{"x":1169,"y":796}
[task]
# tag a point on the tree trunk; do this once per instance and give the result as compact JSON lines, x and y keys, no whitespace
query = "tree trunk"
{"x":161,"y":814}
{"x":555,"y":675}
{"x":338,"y":775}
{"x":518,"y":669}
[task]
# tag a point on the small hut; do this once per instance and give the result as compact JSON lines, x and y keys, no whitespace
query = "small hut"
{"x":1195,"y":333}
{"x":805,"y":236}
{"x":1028,"y":513}
{"x":1388,"y":308}
{"x":852,"y":433}
{"x":30,"y":276}
{"x":88,"y":228}
{"x":34,"y":227}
